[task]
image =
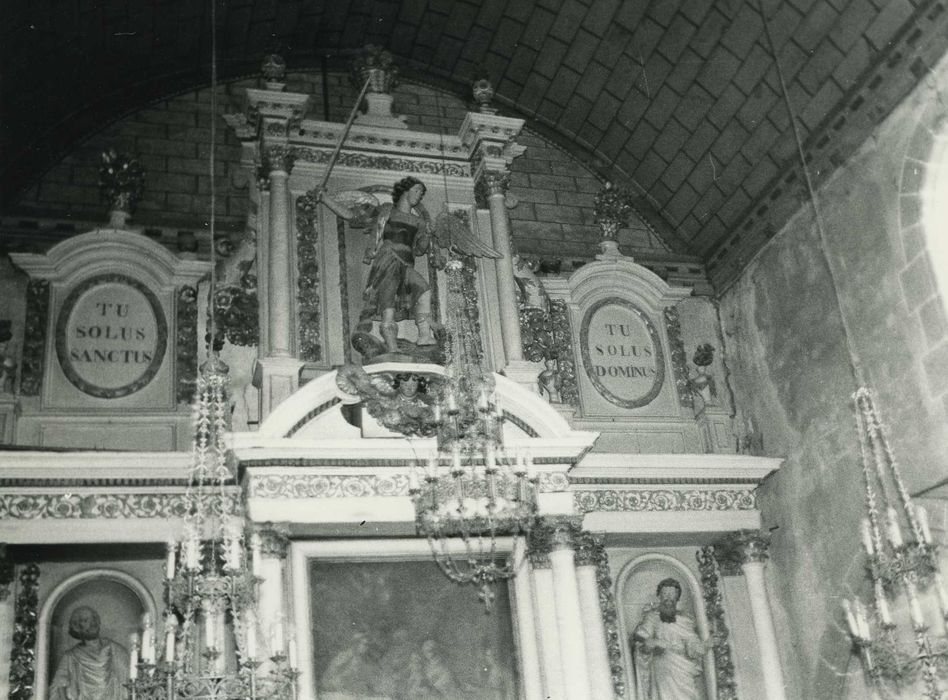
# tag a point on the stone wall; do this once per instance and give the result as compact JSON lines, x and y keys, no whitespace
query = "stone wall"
{"x":553,"y":217}
{"x":791,"y":372}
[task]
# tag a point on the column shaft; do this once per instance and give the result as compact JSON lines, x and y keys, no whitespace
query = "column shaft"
{"x":764,"y":627}
{"x":545,"y":614}
{"x":279,"y":274}
{"x":506,"y":286}
{"x":597,"y":654}
{"x":270,"y":610}
{"x":527,"y":626}
{"x":569,"y":623}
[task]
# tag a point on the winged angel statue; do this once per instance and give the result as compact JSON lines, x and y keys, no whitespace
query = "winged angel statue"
{"x":394,"y":290}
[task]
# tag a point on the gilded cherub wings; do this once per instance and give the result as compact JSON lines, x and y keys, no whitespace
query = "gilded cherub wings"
{"x":455,"y":235}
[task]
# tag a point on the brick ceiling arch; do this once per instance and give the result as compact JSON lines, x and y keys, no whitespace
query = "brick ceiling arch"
{"x":677,"y":98}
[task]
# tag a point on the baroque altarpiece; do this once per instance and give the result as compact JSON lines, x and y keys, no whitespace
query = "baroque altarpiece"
{"x":610,"y":377}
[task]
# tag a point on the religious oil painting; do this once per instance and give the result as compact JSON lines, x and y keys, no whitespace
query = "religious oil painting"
{"x":402,"y":631}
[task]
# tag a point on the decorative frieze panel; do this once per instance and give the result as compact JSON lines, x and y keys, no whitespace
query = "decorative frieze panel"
{"x":357,"y":486}
{"x":35,"y":506}
{"x":665,"y":500}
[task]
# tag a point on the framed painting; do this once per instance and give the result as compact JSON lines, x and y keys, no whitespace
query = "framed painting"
{"x":383,"y":622}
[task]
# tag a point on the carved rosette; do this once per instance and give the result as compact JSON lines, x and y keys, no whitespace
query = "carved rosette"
{"x":678,"y":356}
{"x":273,"y":543}
{"x":34,"y":340}
{"x":23,"y":654}
{"x":186,"y":343}
{"x":307,"y":278}
{"x":714,"y":607}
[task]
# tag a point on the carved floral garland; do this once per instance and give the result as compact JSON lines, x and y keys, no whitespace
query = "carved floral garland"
{"x":610,"y":618}
{"x":34,"y":340}
{"x":236,"y":308}
{"x":714,"y":607}
{"x":307,"y":283}
{"x":23,"y":654}
{"x":186,"y":343}
{"x":678,"y":356}
{"x":545,"y":335}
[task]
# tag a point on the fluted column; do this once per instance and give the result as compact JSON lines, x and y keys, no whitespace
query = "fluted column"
{"x":544,"y":608}
{"x":279,"y":269}
{"x":749,"y":549}
{"x":527,"y":624}
{"x":569,"y":616}
{"x":271,"y":613}
{"x":597,"y":654}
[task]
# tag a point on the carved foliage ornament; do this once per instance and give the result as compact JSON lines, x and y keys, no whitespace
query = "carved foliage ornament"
{"x":186,"y":343}
{"x":714,"y":606}
{"x":236,"y":309}
{"x":678,"y":356}
{"x":545,"y":336}
{"x":307,"y":278}
{"x":23,"y":651}
{"x":380,"y":162}
{"x":34,"y":340}
{"x":90,"y":506}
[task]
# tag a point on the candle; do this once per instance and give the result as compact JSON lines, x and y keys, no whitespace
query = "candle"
{"x":922,"y":516}
{"x":169,"y":560}
{"x":850,"y":619}
{"x":437,"y":414}
{"x":862,"y":622}
{"x":942,"y":594}
{"x":895,"y":534}
{"x":209,"y":624}
{"x":483,"y":401}
{"x":490,"y":458}
{"x":432,"y":468}
{"x":292,"y":653}
{"x":133,"y":655}
{"x":867,"y":537}
{"x":148,"y":639}
{"x":452,"y":403}
{"x":276,"y":638}
{"x":256,"y":561}
{"x":251,"y":624}
{"x":521,"y":467}
{"x":456,"y":459}
{"x":234,"y":552}
{"x":171,"y":624}
{"x":915,"y":609}
{"x":531,"y":472}
{"x":413,"y":483}
{"x":882,"y":605}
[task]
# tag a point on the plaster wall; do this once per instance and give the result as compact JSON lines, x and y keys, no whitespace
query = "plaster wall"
{"x":790,"y":370}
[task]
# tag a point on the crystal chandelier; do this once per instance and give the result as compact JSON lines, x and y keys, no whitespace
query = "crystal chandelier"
{"x":471,"y":490}
{"x":904,"y":572}
{"x":210,"y":649}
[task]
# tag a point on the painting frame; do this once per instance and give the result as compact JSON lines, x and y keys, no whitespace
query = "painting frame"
{"x":379,"y":551}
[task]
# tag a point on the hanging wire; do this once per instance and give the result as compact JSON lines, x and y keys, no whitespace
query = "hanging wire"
{"x":855,"y":365}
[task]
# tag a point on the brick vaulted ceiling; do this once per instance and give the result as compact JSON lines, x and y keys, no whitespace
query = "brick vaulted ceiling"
{"x":678,"y":99}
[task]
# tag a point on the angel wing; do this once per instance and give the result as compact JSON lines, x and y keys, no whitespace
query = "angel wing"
{"x":363,"y":205}
{"x":355,"y":381}
{"x":453,"y":233}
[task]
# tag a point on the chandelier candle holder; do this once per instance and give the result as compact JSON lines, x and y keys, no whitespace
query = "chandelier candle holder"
{"x":904,"y":574}
{"x":471,"y":491}
{"x":210,"y":646}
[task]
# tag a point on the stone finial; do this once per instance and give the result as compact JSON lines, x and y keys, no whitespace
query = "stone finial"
{"x":483,"y":92}
{"x":376,"y":65}
{"x":612,"y":206}
{"x":274,"y":71}
{"x":121,"y":184}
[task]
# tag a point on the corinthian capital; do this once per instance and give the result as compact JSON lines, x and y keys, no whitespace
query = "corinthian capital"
{"x":273,"y":543}
{"x":741,"y":547}
{"x":278,"y":157}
